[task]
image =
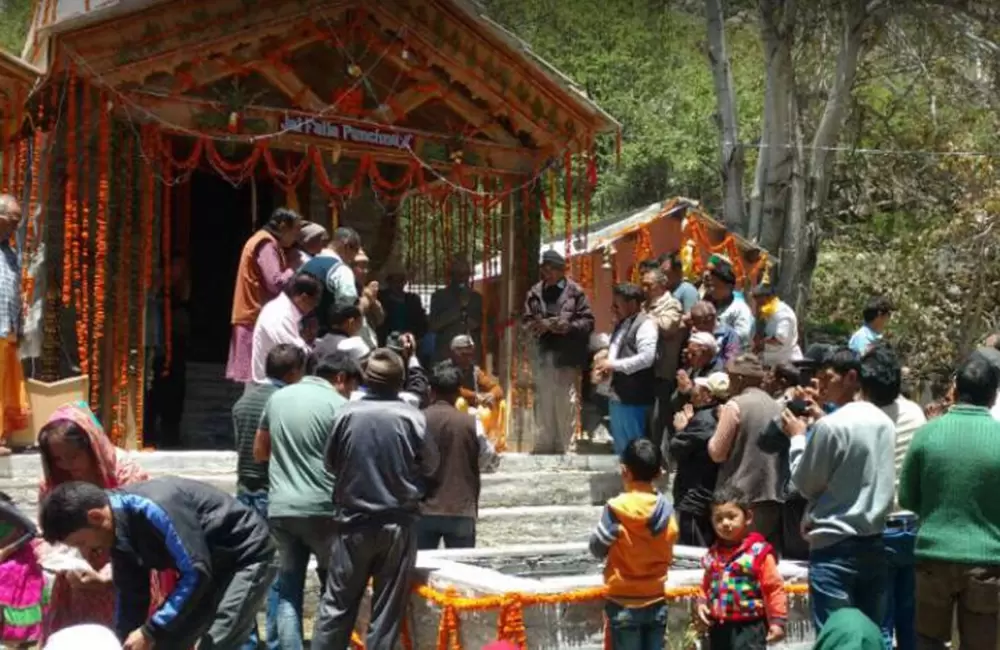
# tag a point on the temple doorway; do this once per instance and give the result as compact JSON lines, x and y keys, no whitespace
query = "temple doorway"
{"x":209,"y":237}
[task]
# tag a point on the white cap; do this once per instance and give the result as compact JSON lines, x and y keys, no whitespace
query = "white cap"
{"x":91,"y":637}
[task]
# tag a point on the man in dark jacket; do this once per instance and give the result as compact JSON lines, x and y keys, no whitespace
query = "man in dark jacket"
{"x":221,"y":548}
{"x":383,"y":460}
{"x":450,"y":513}
{"x":558,"y":314}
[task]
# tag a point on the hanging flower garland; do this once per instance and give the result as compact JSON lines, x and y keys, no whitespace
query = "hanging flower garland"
{"x":122,"y":292}
{"x":568,"y":164}
{"x":69,"y":198}
{"x":101,"y":256}
{"x":643,"y":250}
{"x":83,"y":235}
{"x":28,"y":280}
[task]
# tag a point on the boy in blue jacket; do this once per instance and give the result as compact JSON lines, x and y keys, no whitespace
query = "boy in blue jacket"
{"x":221,"y":549}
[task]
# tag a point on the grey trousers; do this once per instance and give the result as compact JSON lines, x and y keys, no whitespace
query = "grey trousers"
{"x":555,"y":405}
{"x":228,"y":625}
{"x":385,"y":553}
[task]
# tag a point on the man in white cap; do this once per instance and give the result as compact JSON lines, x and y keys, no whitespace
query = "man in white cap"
{"x":313,"y":238}
{"x":91,"y":637}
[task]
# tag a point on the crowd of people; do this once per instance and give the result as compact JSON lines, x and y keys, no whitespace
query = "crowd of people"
{"x":353,"y":447}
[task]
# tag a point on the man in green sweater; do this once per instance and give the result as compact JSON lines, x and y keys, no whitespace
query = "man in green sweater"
{"x":951,"y":480}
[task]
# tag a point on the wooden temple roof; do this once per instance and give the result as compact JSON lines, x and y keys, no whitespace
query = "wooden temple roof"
{"x":465,"y":65}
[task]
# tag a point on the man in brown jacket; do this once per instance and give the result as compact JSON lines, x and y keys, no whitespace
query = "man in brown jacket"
{"x":558,"y":314}
{"x":758,"y":470}
{"x":449,"y":513}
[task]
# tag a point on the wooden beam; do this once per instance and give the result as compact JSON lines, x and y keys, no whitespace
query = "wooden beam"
{"x":397,"y":24}
{"x":405,"y":103}
{"x":289,"y":83}
{"x":183,"y":113}
{"x":462,"y":105}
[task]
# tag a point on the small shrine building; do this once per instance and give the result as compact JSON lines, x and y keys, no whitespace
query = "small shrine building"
{"x":157,"y":135}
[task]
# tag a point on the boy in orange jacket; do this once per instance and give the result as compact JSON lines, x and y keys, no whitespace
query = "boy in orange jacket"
{"x":636,"y":537}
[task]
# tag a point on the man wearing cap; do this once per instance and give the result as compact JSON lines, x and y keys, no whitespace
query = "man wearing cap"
{"x":732,"y":310}
{"x":331,"y":266}
{"x":629,"y":366}
{"x":416,"y":383}
{"x":557,"y":314}
{"x":780,"y":339}
{"x":703,"y":319}
{"x":291,"y":437}
{"x":745,"y":463}
{"x":455,"y":309}
{"x":385,"y":464}
{"x":478,"y":388}
{"x":313,"y":238}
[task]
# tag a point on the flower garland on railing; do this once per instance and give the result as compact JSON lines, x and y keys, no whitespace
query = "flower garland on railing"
{"x":510,"y":610}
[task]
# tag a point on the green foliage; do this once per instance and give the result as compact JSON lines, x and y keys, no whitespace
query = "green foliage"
{"x":647,"y":66}
{"x":15,"y":15}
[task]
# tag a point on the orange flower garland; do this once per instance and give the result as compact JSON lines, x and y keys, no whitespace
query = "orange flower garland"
{"x":27,"y":281}
{"x":101,"y":255}
{"x":146,"y":217}
{"x":69,"y":202}
{"x":123,"y":294}
{"x":510,"y":610}
{"x":83,"y":235}
{"x":643,"y":250}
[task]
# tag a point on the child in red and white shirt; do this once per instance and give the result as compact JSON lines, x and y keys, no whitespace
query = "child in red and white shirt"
{"x":743,"y":605}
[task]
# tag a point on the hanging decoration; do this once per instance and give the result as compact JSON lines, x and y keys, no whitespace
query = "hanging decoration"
{"x":101,"y":243}
{"x":696,"y":237}
{"x":643,"y":251}
{"x":84,"y":248}
{"x":166,"y":246}
{"x":125,"y":281}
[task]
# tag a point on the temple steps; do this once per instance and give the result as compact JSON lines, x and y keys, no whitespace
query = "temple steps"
{"x":528,"y":500}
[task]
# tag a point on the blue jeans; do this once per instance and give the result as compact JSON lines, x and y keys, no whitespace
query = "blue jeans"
{"x":850,"y":573}
{"x":457,"y":532}
{"x":628,"y":423}
{"x":900,"y":539}
{"x":298,"y":538}
{"x":638,"y":628}
{"x":258,"y":501}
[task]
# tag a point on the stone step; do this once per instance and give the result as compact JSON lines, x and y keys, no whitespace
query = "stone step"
{"x":500,"y":490}
{"x":165,"y":463}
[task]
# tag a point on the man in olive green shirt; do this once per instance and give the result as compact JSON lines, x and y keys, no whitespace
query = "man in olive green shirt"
{"x":294,"y":428}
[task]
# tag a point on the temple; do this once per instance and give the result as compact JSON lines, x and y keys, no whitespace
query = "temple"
{"x":156,"y":135}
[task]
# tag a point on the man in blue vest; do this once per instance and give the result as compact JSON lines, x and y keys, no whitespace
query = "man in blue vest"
{"x":332,"y":267}
{"x":629,"y":366}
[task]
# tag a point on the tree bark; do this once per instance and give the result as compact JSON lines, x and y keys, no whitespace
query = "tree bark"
{"x":808,"y":198}
{"x":732,"y":164}
{"x":777,"y":33}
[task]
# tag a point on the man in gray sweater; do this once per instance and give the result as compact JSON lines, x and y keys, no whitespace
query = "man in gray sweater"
{"x":844,"y":466}
{"x":383,"y":462}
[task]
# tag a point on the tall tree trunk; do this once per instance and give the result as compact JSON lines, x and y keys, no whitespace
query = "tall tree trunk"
{"x":732,"y":163}
{"x":802,"y":226}
{"x":777,"y":19}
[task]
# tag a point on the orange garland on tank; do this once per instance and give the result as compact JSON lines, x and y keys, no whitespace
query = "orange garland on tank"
{"x":510,"y":610}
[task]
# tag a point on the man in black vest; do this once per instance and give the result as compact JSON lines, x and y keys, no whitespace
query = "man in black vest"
{"x":332,"y":267}
{"x":629,"y":366}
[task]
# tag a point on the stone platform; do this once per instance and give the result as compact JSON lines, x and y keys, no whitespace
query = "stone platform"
{"x":528,"y":500}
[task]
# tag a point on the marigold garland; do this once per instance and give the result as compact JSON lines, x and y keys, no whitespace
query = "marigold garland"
{"x":510,"y":610}
{"x":83,"y":235}
{"x":69,"y":200}
{"x":101,"y":255}
{"x":568,"y":162}
{"x":123,"y":295}
{"x":28,"y":280}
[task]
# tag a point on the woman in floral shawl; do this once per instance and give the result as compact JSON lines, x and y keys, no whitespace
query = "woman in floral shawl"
{"x":75,"y":448}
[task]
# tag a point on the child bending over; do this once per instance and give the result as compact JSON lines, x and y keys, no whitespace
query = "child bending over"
{"x":743,"y":604}
{"x":636,"y":536}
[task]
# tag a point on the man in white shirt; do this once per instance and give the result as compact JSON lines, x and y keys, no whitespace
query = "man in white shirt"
{"x":732,"y":309}
{"x":629,"y":367}
{"x":780,"y":339}
{"x":279,"y":321}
